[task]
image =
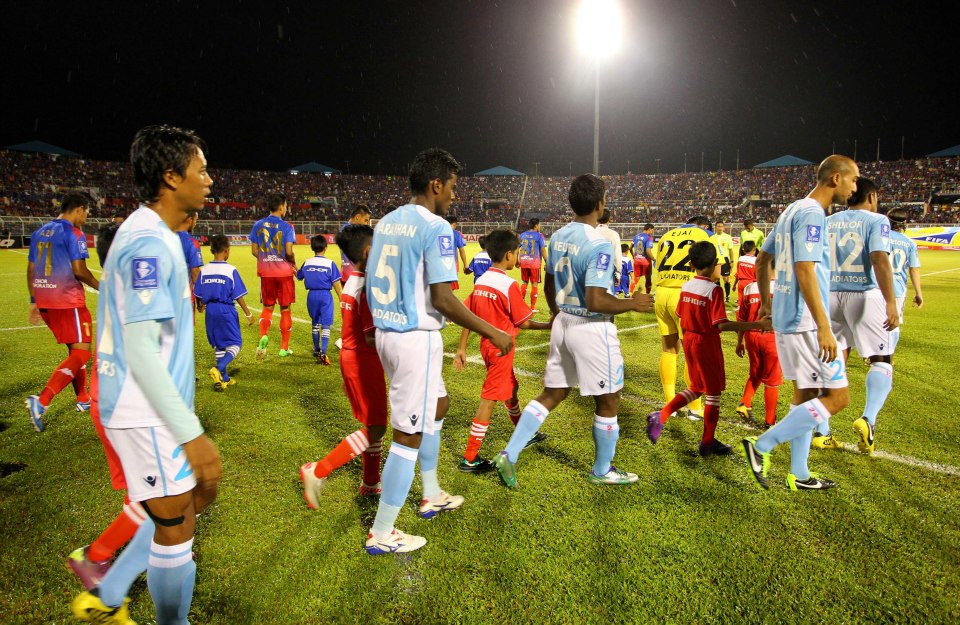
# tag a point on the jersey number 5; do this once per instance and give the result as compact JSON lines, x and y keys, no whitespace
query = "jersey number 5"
{"x":385,"y":271}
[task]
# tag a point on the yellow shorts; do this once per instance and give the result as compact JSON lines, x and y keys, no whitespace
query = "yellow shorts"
{"x":665,"y":306}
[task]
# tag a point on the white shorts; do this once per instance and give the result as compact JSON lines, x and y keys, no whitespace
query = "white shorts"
{"x":154,"y":465}
{"x":857,"y":319}
{"x":800,"y":362}
{"x":901,"y":302}
{"x":413,"y":362}
{"x":586,"y":353}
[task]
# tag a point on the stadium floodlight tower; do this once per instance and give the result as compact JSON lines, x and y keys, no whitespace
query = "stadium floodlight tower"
{"x":598,"y":36}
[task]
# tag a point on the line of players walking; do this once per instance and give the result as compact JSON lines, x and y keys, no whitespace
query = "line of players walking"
{"x":833,"y":282}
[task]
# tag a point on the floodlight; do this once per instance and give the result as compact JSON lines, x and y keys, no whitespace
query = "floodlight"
{"x":598,"y":27}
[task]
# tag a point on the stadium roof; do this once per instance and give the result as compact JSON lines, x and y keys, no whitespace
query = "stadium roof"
{"x":315,"y":168}
{"x":499,"y":170}
{"x":40,"y":146}
{"x":954,"y":151}
{"x":787,"y":160}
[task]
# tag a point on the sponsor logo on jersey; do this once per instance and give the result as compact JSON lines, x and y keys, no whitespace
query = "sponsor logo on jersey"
{"x":145,"y":274}
{"x":446,"y":245}
{"x":151,"y":480}
{"x":603,"y":261}
{"x":413,"y":419}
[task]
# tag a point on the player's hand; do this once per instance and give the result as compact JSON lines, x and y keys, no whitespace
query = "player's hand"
{"x":34,"y":316}
{"x":502,"y":341}
{"x":766,"y":324}
{"x":200,"y":306}
{"x":642,"y":302}
{"x":207,"y":466}
{"x":764,"y":310}
{"x":918,"y":301}
{"x":893,"y":317}
{"x":827,"y":343}
{"x":460,"y":361}
{"x":740,"y":349}
{"x":249,"y":319}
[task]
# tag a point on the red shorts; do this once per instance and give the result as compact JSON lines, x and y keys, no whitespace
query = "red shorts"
{"x":641,"y":267}
{"x":454,"y":285}
{"x":530,"y":274}
{"x":365,"y":386}
{"x":704,"y":358}
{"x":741,"y":286}
{"x":764,"y":361}
{"x":277,"y":290}
{"x":500,"y":382}
{"x":69,"y":325}
{"x":113,"y":460}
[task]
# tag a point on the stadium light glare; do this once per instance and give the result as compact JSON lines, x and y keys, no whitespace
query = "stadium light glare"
{"x":598,"y":28}
{"x":598,"y":36}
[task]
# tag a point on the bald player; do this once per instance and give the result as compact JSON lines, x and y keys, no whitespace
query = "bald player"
{"x":801,"y":319}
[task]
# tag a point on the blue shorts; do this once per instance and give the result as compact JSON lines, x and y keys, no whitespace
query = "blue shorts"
{"x":223,"y":325}
{"x":320,"y":307}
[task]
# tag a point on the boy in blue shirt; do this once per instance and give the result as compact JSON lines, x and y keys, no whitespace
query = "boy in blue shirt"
{"x":480,"y":263}
{"x":626,"y":267}
{"x":217,"y":287}
{"x":320,"y":275}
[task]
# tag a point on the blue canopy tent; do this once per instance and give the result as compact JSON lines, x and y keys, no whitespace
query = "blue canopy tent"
{"x":313,"y":167}
{"x":499,"y":170}
{"x":40,"y":147}
{"x":787,"y":160}
{"x":954,"y":151}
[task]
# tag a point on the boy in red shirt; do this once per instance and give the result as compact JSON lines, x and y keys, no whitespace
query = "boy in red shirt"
{"x":761,"y":348}
{"x":363,"y":378}
{"x":496,"y":298}
{"x":746,"y":268}
{"x":702,"y":317}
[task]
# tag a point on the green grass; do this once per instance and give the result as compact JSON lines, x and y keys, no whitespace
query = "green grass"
{"x":694,"y":541}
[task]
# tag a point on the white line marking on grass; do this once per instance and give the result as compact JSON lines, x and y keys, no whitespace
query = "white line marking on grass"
{"x":936,"y":467}
{"x":22,"y":328}
{"x":933,"y":273}
{"x":306,"y":321}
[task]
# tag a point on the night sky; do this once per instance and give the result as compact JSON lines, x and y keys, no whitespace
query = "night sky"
{"x":270,"y":84}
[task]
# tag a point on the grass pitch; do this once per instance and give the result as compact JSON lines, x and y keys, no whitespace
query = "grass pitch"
{"x":694,"y":541}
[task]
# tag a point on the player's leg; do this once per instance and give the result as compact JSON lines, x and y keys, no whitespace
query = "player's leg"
{"x":286,"y":297}
{"x":435,"y":500}
{"x":375,"y":418}
{"x":711,"y":376}
{"x":313,"y":310}
{"x":799,"y":353}
{"x":559,"y":376}
{"x":670,"y":338}
{"x":268,"y":298}
{"x":534,"y":287}
{"x":411,"y":390}
{"x":71,"y":327}
{"x":471,"y":462}
{"x":606,"y":433}
{"x":513,"y":404}
{"x":771,"y":376}
{"x":524,"y":279}
{"x":745,"y":409}
{"x":873,"y":341}
{"x":842,"y":326}
{"x":326,"y":320}
{"x":648,"y":276}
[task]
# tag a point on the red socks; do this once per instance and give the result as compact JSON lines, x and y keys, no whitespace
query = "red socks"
{"x":477,"y":431}
{"x":523,"y":291}
{"x":348,"y":449}
{"x":266,"y":320}
{"x":514,"y":412}
{"x":119,"y":532}
{"x":711,"y":414}
{"x":771,"y":394}
{"x":679,"y":400}
{"x":534,"y":290}
{"x":67,"y":372}
{"x":749,"y":390}
{"x":286,"y":323}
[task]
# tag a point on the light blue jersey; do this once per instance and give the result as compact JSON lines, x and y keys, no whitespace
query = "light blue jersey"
{"x":145,"y":278}
{"x":853,"y":235}
{"x":412,"y":248}
{"x":798,"y":236}
{"x":579,"y":257}
{"x":904,"y":257}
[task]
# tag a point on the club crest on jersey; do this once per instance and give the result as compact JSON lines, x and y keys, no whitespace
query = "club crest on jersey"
{"x":145,"y":274}
{"x":446,"y":245}
{"x":603,"y":261}
{"x":884,"y":230}
{"x":813,"y":234}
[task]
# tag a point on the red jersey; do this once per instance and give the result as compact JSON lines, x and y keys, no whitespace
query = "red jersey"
{"x":356,"y":320}
{"x":747,"y":269}
{"x":497,"y":300}
{"x":701,"y":306}
{"x":749,"y":309}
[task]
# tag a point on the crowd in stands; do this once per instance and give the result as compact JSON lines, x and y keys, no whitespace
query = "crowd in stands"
{"x":31,"y":185}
